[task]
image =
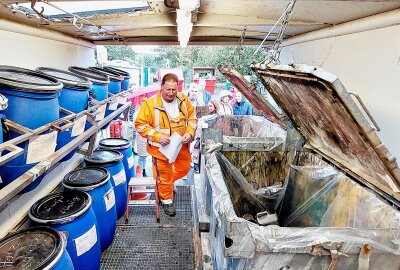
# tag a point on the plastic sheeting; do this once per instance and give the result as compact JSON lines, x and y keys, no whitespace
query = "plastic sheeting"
{"x":240,"y":244}
{"x":245,"y":126}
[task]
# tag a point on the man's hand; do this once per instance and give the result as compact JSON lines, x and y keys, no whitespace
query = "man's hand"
{"x":186,"y":138}
{"x":164,"y":140}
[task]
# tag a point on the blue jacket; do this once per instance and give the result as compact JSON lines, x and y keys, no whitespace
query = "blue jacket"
{"x":206,"y":97}
{"x":242,"y":108}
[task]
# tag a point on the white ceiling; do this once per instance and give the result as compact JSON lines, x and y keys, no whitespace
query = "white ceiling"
{"x":218,"y":21}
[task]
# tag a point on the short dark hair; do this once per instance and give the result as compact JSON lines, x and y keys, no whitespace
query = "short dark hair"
{"x":169,"y":77}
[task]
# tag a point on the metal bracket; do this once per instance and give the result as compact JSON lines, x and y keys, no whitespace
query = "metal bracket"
{"x":331,"y":249}
{"x":376,"y":126}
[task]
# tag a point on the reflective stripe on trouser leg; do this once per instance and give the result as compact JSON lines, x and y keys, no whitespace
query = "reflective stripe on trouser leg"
{"x":181,"y":166}
{"x":162,"y":170}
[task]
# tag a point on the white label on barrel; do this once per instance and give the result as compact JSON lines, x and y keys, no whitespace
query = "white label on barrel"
{"x":109,"y":199}
{"x":86,"y":241}
{"x":79,"y":126}
{"x":122,"y":99}
{"x":41,"y":147}
{"x":119,"y":178}
{"x":101,"y":112}
{"x":131,"y":162}
{"x":113,"y":106}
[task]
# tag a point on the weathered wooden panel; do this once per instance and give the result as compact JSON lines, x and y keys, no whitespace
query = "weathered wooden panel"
{"x":249,"y":91}
{"x":321,"y":117}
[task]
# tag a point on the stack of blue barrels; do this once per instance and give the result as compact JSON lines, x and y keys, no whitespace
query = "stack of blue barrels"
{"x":126,"y":76}
{"x":72,"y":212}
{"x":69,"y":229}
{"x":32,"y":103}
{"x":112,"y":161}
{"x":74,"y":97}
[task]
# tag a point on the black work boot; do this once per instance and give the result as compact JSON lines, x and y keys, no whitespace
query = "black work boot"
{"x":169,"y":209}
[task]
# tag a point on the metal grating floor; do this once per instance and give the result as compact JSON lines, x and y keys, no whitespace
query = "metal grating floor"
{"x":146,"y":244}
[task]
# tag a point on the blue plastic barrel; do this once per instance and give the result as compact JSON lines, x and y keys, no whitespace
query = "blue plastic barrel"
{"x":126,"y":75}
{"x":32,"y":96}
{"x":125,"y":148}
{"x":32,"y":102}
{"x":114,"y":86}
{"x":96,"y":182}
{"x":71,"y":212}
{"x":74,"y":97}
{"x":100,"y":81}
{"x":75,"y":93}
{"x":112,"y":161}
{"x":34,"y":249}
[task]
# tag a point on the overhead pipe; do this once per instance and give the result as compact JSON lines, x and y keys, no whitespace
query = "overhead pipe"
{"x":381,"y":20}
{"x":19,"y":28}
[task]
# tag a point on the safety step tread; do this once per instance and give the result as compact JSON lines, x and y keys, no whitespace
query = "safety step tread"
{"x":142,"y":181}
{"x":147,"y":190}
{"x":142,"y":203}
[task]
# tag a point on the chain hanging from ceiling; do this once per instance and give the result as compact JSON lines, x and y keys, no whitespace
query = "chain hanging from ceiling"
{"x":77,"y":21}
{"x":238,"y":51}
{"x":273,"y":53}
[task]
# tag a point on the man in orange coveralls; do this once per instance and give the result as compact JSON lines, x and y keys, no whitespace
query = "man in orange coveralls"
{"x":160,"y":116}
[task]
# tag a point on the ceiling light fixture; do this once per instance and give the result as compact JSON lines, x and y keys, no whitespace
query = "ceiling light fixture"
{"x":184,"y":20}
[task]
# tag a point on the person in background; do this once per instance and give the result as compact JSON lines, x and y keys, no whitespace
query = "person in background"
{"x":160,"y":116}
{"x":195,"y":145}
{"x":194,"y":96}
{"x":203,"y":93}
{"x":242,"y":106}
{"x":233,"y":91}
{"x":213,"y":107}
{"x":225,"y":107}
{"x":141,"y":142}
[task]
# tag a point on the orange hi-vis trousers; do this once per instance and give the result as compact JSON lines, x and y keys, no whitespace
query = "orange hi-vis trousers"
{"x":167,"y":173}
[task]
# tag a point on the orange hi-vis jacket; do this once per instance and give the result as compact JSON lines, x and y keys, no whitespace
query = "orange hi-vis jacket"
{"x":153,"y":121}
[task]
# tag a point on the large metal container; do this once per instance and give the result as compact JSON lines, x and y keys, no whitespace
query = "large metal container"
{"x":339,"y":204}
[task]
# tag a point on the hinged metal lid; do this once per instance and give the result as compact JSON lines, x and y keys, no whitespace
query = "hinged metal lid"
{"x":26,"y":80}
{"x":118,"y":71}
{"x":31,"y":249}
{"x":323,"y":111}
{"x":69,"y":79}
{"x":93,"y":76}
{"x":112,"y":75}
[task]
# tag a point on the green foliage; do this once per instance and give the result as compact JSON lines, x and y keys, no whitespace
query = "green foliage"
{"x":120,"y":53}
{"x":204,"y":56}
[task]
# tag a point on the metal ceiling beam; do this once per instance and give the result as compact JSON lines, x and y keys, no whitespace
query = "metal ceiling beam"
{"x":197,"y":31}
{"x":170,"y":40}
{"x":202,"y":20}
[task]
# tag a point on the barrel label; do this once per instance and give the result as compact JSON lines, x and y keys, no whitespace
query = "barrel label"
{"x":86,"y":241}
{"x":101,"y":112}
{"x":41,"y":147}
{"x":79,"y":126}
{"x":109,"y":199}
{"x":130,"y":162}
{"x":119,"y":178}
{"x":122,"y":99}
{"x":113,"y":106}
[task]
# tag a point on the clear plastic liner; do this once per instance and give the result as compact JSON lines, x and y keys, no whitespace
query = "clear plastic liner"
{"x":245,"y":126}
{"x":319,"y":205}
